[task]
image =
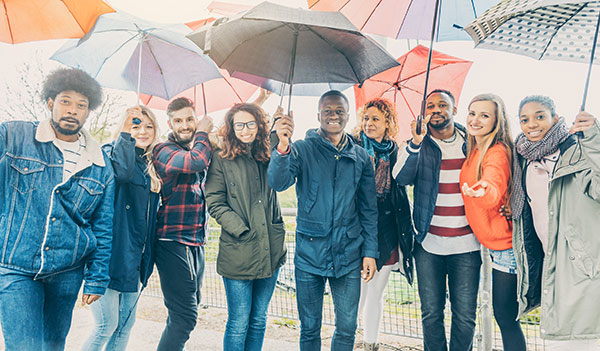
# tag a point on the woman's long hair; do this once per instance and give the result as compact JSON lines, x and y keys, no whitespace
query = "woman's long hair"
{"x":232,"y":147}
{"x":154,"y":178}
{"x":388,"y":110}
{"x":499,"y":134}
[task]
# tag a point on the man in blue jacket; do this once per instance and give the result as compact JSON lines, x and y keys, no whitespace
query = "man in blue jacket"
{"x":336,"y":226}
{"x":56,"y":215}
{"x":446,"y":252}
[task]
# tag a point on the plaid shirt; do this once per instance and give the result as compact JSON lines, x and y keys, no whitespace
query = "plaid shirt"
{"x":182,"y":215}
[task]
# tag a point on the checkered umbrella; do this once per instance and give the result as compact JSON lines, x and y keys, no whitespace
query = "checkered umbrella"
{"x":543,"y":29}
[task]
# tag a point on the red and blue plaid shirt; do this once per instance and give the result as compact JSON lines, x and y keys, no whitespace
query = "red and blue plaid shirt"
{"x":182,"y":214}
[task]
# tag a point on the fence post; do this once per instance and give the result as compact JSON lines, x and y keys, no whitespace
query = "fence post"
{"x":486,"y":337}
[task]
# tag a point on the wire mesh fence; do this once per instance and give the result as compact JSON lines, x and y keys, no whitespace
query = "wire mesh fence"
{"x":401,"y":313}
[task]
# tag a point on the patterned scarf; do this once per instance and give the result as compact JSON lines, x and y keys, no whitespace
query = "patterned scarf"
{"x":534,"y":151}
{"x":380,"y":157}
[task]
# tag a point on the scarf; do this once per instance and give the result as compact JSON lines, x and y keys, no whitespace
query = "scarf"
{"x":380,"y":157}
{"x":533,"y":151}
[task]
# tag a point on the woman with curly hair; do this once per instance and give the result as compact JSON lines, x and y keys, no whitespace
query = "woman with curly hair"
{"x":252,"y":241}
{"x":376,"y":129}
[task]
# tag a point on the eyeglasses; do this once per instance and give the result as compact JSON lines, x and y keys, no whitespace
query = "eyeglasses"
{"x":240,"y":125}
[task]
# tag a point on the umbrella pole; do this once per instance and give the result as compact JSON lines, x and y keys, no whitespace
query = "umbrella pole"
{"x":433,"y":33}
{"x":139,"y":82}
{"x":204,"y":100}
{"x":291,"y":75}
{"x":589,"y":72}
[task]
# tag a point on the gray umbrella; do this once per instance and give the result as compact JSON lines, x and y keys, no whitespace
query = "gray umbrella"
{"x":547,"y":29}
{"x":293,"y":46}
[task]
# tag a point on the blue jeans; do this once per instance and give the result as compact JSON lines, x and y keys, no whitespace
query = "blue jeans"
{"x":36,"y":314}
{"x":114,"y":315}
{"x":345,"y":291}
{"x":462,"y":272}
{"x":247,"y":304}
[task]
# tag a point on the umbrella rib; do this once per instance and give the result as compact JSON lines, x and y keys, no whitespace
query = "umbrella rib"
{"x":109,"y":56}
{"x":71,"y":12}
{"x":159,"y":68}
{"x":12,"y":39}
{"x":234,"y":91}
{"x":346,"y":58}
{"x":558,"y":28}
{"x":370,"y":15}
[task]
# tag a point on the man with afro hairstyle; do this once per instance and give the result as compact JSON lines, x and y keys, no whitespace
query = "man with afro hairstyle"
{"x":56,"y":209}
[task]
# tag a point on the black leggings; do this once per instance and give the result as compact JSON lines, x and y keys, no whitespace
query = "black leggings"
{"x":504,"y":298}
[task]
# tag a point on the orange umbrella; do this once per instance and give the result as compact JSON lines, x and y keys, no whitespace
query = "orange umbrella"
{"x":403,"y":85}
{"x":31,"y":20}
{"x":210,"y":96}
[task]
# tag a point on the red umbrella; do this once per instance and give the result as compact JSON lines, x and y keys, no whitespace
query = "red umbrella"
{"x":210,"y":96}
{"x":403,"y":85}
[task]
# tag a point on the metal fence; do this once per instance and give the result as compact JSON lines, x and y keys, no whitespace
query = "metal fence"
{"x":401,"y":313}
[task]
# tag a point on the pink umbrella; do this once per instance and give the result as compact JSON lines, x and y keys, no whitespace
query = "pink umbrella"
{"x":403,"y":85}
{"x":210,"y":96}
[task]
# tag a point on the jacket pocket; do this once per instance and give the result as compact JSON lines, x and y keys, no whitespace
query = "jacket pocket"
{"x":354,"y":231}
{"x":310,"y":228}
{"x":25,"y":175}
{"x":579,"y":256}
{"x":90,"y":192}
{"x":311,"y":197}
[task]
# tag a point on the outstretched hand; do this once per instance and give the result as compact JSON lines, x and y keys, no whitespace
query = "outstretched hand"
{"x":477,"y":190}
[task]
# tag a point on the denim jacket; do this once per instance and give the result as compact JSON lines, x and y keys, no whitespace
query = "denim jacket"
{"x":48,"y":225}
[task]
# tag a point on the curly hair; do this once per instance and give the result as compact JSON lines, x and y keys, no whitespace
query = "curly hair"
{"x":387,"y":109}
{"x":64,"y":79}
{"x":232,"y":147}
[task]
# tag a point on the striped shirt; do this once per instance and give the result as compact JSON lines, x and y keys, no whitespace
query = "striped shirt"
{"x":71,"y":151}
{"x":449,"y":232}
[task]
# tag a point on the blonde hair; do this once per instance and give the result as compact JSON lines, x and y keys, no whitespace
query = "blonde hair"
{"x":155,"y":183}
{"x":499,"y":134}
{"x":387,"y":109}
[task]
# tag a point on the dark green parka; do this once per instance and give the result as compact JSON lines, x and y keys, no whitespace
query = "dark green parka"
{"x":238,"y":196}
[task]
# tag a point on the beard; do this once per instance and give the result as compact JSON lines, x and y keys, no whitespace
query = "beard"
{"x":184,"y":140}
{"x":65,"y":131}
{"x":440,"y":125}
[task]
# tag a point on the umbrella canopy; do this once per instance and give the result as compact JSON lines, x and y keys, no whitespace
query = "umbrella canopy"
{"x":281,"y":88}
{"x":546,"y":29}
{"x":411,"y":19}
{"x":293,"y":46}
{"x":403,"y":85}
{"x":31,"y":20}
{"x":124,"y":52}
{"x":213,"y":95}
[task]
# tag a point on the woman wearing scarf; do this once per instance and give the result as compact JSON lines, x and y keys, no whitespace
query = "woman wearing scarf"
{"x":485,"y":179}
{"x":377,"y":126}
{"x":556,"y":215}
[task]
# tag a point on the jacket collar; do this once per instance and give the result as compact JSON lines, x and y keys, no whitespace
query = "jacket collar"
{"x":92,"y":152}
{"x":348,"y":151}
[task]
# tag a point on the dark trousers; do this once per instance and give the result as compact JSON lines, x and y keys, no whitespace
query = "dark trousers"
{"x":462,"y":274}
{"x":180,"y":268}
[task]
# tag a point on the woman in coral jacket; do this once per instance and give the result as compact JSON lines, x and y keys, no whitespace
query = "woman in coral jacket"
{"x":486,"y":177}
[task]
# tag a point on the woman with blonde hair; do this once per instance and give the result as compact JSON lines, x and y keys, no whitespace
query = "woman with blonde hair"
{"x":252,"y":241}
{"x":375,"y":132}
{"x":486,"y":182}
{"x":134,"y":226}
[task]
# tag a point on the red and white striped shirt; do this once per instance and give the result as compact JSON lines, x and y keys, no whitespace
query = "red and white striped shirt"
{"x":449,"y":232}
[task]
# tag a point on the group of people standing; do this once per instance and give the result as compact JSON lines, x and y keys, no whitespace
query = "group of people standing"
{"x":75,"y":212}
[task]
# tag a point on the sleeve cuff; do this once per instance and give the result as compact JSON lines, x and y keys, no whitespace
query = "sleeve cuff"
{"x":370,"y":253}
{"x":412,"y":147}
{"x":286,"y":151}
{"x":93,"y":290}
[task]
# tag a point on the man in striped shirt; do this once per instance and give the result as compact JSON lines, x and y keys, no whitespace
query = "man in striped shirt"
{"x":181,"y":163}
{"x":446,"y":252}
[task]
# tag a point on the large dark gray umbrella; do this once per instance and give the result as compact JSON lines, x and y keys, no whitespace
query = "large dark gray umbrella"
{"x":293,"y":46}
{"x":547,"y":29}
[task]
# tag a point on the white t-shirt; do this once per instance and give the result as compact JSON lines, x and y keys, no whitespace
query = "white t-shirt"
{"x":449,"y":232}
{"x":71,"y":151}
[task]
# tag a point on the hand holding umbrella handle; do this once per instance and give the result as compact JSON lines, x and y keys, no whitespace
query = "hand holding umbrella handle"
{"x":205,"y":124}
{"x":284,"y":127}
{"x":583,"y":121}
{"x":134,"y":116}
{"x":418,"y":129}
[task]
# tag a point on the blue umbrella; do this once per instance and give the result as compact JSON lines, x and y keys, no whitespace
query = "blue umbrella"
{"x":125,"y":52}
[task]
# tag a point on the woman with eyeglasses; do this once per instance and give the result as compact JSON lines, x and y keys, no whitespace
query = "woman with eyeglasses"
{"x":252,"y":241}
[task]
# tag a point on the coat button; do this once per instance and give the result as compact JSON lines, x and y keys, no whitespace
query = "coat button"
{"x":25,"y":169}
{"x":260,"y":201}
{"x":57,"y":191}
{"x":572,"y":257}
{"x":47,"y":248}
{"x":53,"y":219}
{"x":127,"y":207}
{"x":59,"y":161}
{"x":551,"y":213}
{"x":266,"y":248}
